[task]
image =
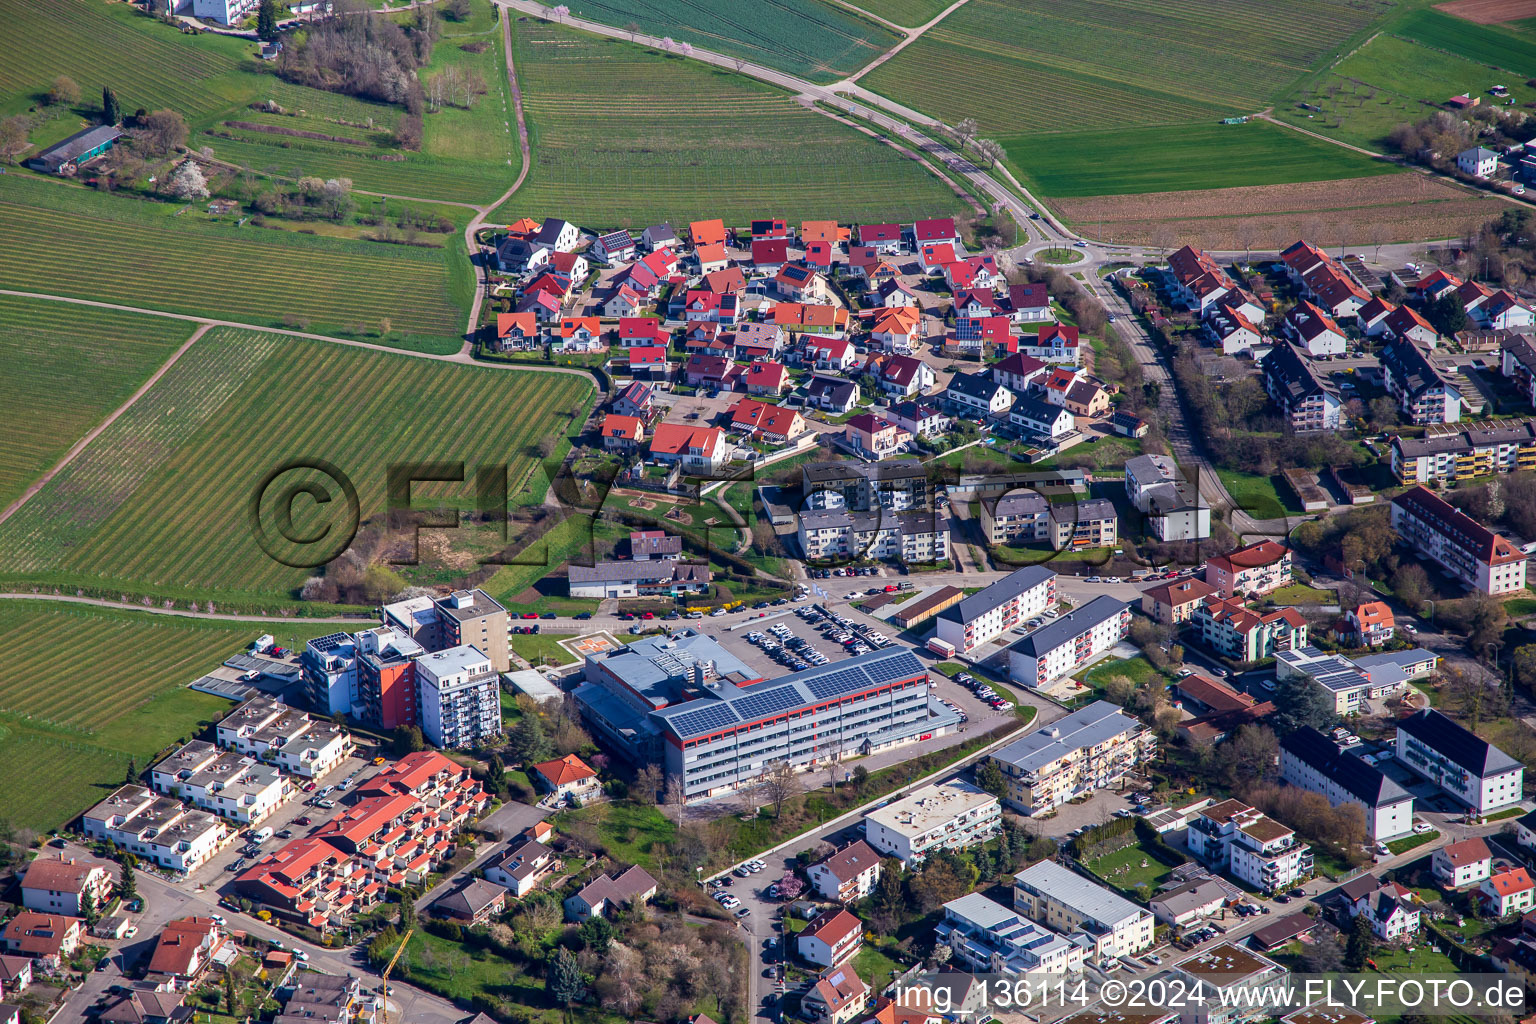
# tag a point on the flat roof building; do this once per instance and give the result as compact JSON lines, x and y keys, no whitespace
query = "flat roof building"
{"x":1056,"y":896}
{"x":1087,"y":750}
{"x":950,"y":815}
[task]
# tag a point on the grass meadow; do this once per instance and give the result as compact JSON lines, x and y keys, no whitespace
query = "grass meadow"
{"x":1035,"y":66}
{"x":1494,"y":45}
{"x":1180,"y":157}
{"x":68,"y":726}
{"x":174,"y":258}
{"x":623,"y":136}
{"x":67,"y":367}
{"x":159,"y":502}
{"x":814,"y":39}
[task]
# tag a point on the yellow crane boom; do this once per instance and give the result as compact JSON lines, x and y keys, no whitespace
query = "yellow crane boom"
{"x":384,"y":978}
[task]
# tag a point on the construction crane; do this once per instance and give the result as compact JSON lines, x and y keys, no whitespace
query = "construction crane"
{"x":384,"y":1018}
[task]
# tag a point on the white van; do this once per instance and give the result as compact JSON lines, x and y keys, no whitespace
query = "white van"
{"x":262,"y":835}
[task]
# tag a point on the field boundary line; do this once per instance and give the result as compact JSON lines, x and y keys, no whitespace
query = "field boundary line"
{"x":111,"y":418}
{"x":873,"y":16}
{"x":100,"y":602}
{"x":912,"y":35}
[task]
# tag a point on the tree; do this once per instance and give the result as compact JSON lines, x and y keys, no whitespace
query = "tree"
{"x":1301,"y":701}
{"x":564,"y":982}
{"x":779,"y":785}
{"x":63,"y":92}
{"x":89,"y":910}
{"x":109,"y":111}
{"x":945,"y":876}
{"x":648,"y":782}
{"x":13,"y":136}
{"x":266,"y":19}
{"x":790,"y":886}
{"x":1411,"y":585}
{"x":1254,"y":751}
{"x":596,"y":932}
{"x":127,"y":883}
{"x":132,"y":774}
{"x":965,"y":131}
{"x":1360,"y":945}
{"x":458,"y":10}
{"x":676,"y":796}
{"x":634,"y":30}
{"x":229,"y":992}
{"x":187,"y":181}
{"x":990,"y":778}
{"x":1447,"y":315}
{"x":163,"y":132}
{"x":408,"y":740}
{"x":860,"y":777}
{"x":527,"y":743}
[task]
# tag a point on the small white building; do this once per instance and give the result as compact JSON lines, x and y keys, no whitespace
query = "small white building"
{"x":848,"y":875}
{"x":1478,"y":162}
{"x":1461,"y":864}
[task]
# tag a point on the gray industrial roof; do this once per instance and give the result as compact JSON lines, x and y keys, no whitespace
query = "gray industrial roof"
{"x":1065,"y":886}
{"x":648,"y":664}
{"x":1085,"y":727}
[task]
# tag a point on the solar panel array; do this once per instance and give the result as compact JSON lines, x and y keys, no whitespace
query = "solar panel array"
{"x":705,"y":719}
{"x":903,"y":666}
{"x":763,"y":704}
{"x":844,"y":680}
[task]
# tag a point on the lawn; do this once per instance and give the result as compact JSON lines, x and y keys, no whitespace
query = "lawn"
{"x":536,"y":647}
{"x":1423,"y":960}
{"x":875,"y":967}
{"x":1125,"y":869}
{"x":66,"y":368}
{"x":1259,"y":496}
{"x":1138,"y":670}
{"x":524,"y":583}
{"x":159,"y":502}
{"x":1151,"y":63}
{"x":1412,"y":842}
{"x":1173,"y":158}
{"x":814,"y":39}
{"x":68,"y":731}
{"x":628,"y":831}
{"x":909,"y":13}
{"x":191,"y":264}
{"x":1300,"y":593}
{"x":1486,"y":44}
{"x":610,"y":150}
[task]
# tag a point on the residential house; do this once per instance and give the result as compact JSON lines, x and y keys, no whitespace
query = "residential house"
{"x":918,"y":419}
{"x":1404,"y":323}
{"x":1422,"y":392}
{"x":974,"y":337}
{"x":1314,"y":330}
{"x":702,"y":451}
{"x":715,"y":307}
{"x":1372,"y":317}
{"x":934,"y":258}
{"x":559,"y":235}
{"x":475,"y":902}
{"x":525,"y":862}
{"x":1518,"y":364}
{"x":1503,"y":311}
{"x":711,"y":258}
{"x":939,"y":231}
{"x":973,"y":272}
{"x":772,"y":423}
{"x":1436,"y":283}
{"x":1035,"y":417}
{"x":831,"y":939}
{"x":766,"y":379}
{"x":1312,"y":761}
{"x":831,"y":394}
{"x":608,"y":894}
{"x":518,"y":332}
{"x":1232,"y":332}
{"x":730,"y":281}
{"x":1369,"y":624}
{"x":1230,"y":628}
{"x":707,"y":232}
{"x":1390,"y":908}
{"x":1056,"y":343}
{"x":1472,"y":295}
{"x":544,"y":306}
{"x":822,"y":231}
{"x":637,"y":399}
{"x":769,"y":255}
{"x":1253,"y":848}
{"x":624,"y":301}
{"x":713,"y":372}
{"x":772,"y":227}
{"x":1018,"y":372}
{"x":1029,"y":303}
{"x":874,"y":437}
{"x":565,"y":777}
{"x":184,"y":950}
{"x":1511,"y":891}
{"x":1175,"y":602}
{"x":977,"y":302}
{"x":800,"y":283}
{"x":615,"y":245}
{"x":1089,"y":749}
{"x":660,"y":236}
{"x":1097,"y":919}
{"x":829,"y":353}
{"x":60,"y":885}
{"x":822,"y":319}
{"x":819,"y":256}
{"x":1198,"y":281}
{"x":50,"y":938}
{"x":1254,"y":570}
{"x":883,"y":238}
{"x":1189,"y":905}
{"x":1066,"y":643}
{"x":848,"y":875}
{"x":1461,"y":864}
{"x":750,"y":339}
{"x":1478,"y":162}
{"x":891,"y":293}
{"x":580,"y":334}
{"x":897,"y":329}
{"x":520,"y":255}
{"x":1464,"y":765}
{"x":572,"y":264}
{"x":837,"y":997}
{"x":905,"y":376}
{"x":1084,"y":398}
{"x":1466,"y":549}
{"x":1307,"y":400}
{"x":977,"y":396}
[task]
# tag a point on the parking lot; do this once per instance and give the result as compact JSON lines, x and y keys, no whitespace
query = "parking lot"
{"x":806,"y":637}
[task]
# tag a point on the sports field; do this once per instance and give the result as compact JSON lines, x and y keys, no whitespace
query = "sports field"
{"x":68,"y":727}
{"x":1175,"y":157}
{"x":66,"y":240}
{"x":623,"y":136}
{"x":67,"y":367}
{"x":1039,"y":65}
{"x":1394,"y":79}
{"x":814,"y":39}
{"x":910,"y":13}
{"x":158,"y":502}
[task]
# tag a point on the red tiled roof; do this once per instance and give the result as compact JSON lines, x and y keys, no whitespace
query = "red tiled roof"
{"x":1468,"y":851}
{"x":627,"y":427}
{"x":564,"y":770}
{"x":707,"y":232}
{"x":832,"y":926}
{"x":1511,"y":882}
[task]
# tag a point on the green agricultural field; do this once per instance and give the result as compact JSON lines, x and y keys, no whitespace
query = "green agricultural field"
{"x":67,"y":733}
{"x":1165,"y":159}
{"x":67,"y":367}
{"x":159,"y":502}
{"x":1045,"y":65}
{"x":1389,"y":81}
{"x":817,"y":40}
{"x":614,"y":144}
{"x":910,"y":13}
{"x":1486,"y":44}
{"x":57,"y":235}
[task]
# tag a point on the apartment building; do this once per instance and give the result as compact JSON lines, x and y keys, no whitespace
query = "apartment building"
{"x":896,"y":485}
{"x":831,"y":939}
{"x":1466,"y":549}
{"x":990,"y":938}
{"x":1229,"y":984}
{"x":1233,"y":630}
{"x":1089,"y":749}
{"x":988,"y":614}
{"x":60,"y":885}
{"x":917,"y":536}
{"x":1017,"y":517}
{"x":159,"y":829}
{"x":1423,"y":393}
{"x":1461,"y":453}
{"x":1065,"y":643}
{"x":460,"y":697}
{"x":1248,"y":845}
{"x":731,"y":733}
{"x":1461,"y":763}
{"x":1091,"y":915}
{"x":1307,"y":400}
{"x":1092,"y":523}
{"x":463,"y":618}
{"x":1255,"y":569}
{"x":286,"y":737}
{"x":949,"y":815}
{"x":386,"y":677}
{"x":328,"y":668}
{"x":1312,"y":761}
{"x":1353,"y":682}
{"x":1198,"y":280}
{"x":230,"y":784}
{"x":1175,"y":602}
{"x":848,"y":875}
{"x":1172,"y":503}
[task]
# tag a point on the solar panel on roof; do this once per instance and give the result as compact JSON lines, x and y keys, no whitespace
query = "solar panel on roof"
{"x":886,"y":669}
{"x":760,"y":705}
{"x":839,"y":682}
{"x":704,"y":720}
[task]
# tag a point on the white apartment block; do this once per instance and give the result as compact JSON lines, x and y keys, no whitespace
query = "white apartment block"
{"x":848,"y":875}
{"x":1069,"y":903}
{"x":159,"y":829}
{"x":993,"y":939}
{"x":1250,"y":846}
{"x":1434,"y":529}
{"x":291,"y":739}
{"x":988,"y":614}
{"x":1089,"y":749}
{"x":1465,"y":451}
{"x":460,"y":697}
{"x":1173,"y":505}
{"x":950,"y":815}
{"x":916,"y":536}
{"x":1065,"y":643}
{"x":229,"y":784}
{"x":1312,"y":761}
{"x":1462,"y":764}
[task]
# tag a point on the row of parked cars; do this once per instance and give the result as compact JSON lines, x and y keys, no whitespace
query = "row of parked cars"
{"x":782,"y":645}
{"x":852,"y":570}
{"x":983,"y":692}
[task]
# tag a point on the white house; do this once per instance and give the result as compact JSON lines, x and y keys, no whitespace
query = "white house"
{"x":1461,"y":864}
{"x":1478,"y":162}
{"x":951,"y":815}
{"x":831,"y":939}
{"x":848,"y":875}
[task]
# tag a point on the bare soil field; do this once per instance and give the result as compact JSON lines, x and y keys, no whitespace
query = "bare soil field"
{"x":1490,"y":12}
{"x":1404,"y":207}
